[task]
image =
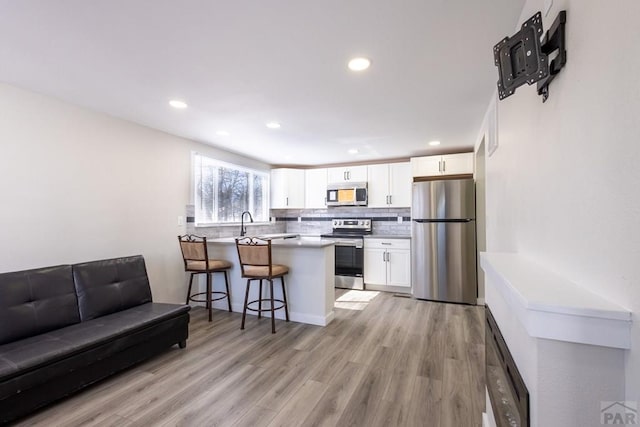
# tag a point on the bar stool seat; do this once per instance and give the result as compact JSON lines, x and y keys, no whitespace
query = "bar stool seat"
{"x":214,"y":265}
{"x":255,"y":262}
{"x":196,"y":261}
{"x":257,"y":272}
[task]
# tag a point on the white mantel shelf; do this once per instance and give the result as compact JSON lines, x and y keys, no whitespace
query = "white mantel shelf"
{"x":552,"y":307}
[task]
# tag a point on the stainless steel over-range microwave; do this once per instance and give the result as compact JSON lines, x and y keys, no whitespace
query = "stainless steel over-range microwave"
{"x":347,"y":194}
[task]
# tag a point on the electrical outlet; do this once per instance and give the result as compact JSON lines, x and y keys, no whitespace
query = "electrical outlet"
{"x":299,"y":219}
{"x":180,"y":221}
{"x":399,"y":220}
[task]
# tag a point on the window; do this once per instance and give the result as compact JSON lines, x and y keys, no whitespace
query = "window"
{"x":223,"y":191}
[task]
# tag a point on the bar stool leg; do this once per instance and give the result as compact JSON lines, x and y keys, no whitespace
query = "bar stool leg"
{"x":260,"y":301}
{"x":246,"y":299}
{"x":209,"y":304}
{"x":284,"y":298}
{"x":273,"y":317}
{"x":226,"y":283}
{"x":189,"y":291}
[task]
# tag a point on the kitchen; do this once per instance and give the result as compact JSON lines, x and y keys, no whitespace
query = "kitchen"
{"x":366,"y":211}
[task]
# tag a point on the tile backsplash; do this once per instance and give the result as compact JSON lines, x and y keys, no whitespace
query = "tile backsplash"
{"x":310,"y":221}
{"x":318,"y":221}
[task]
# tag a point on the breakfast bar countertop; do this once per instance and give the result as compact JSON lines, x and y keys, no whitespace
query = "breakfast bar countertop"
{"x":282,"y":240}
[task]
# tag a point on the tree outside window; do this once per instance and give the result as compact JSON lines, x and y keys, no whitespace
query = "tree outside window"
{"x":223,"y":191}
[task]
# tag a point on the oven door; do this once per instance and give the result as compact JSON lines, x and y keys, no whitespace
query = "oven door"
{"x":349,"y":263}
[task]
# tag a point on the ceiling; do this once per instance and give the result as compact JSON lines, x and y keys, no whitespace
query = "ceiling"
{"x":239,"y":64}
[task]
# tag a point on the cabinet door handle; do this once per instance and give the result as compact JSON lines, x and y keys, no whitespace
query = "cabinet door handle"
{"x":325,"y":201}
{"x":439,"y":165}
{"x":390,"y":198}
{"x":444,"y":165}
{"x":349,"y":175}
{"x":344,"y":175}
{"x":286,"y":201}
{"x":384,"y":257}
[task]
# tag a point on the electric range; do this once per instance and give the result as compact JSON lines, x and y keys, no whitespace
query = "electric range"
{"x":348,"y":233}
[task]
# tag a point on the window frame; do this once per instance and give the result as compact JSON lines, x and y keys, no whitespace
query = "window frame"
{"x":265,"y":174}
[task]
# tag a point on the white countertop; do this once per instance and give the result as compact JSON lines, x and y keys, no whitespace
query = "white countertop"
{"x":282,"y":240}
{"x":387,"y":236}
{"x":551,"y":306}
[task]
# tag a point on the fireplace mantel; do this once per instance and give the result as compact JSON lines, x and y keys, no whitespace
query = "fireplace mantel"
{"x":568,"y":344}
{"x":552,"y":307}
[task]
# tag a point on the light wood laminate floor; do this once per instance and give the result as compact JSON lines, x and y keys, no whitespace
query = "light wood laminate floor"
{"x":383,"y":361}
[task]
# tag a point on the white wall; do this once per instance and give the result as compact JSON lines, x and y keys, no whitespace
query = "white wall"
{"x":77,"y":185}
{"x":481,"y":211}
{"x":563,"y":186}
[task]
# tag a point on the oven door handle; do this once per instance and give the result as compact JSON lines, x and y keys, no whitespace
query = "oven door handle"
{"x":351,"y":243}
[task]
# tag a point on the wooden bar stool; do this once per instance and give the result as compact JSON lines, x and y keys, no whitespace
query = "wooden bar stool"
{"x":196,"y":261}
{"x":255,"y":261}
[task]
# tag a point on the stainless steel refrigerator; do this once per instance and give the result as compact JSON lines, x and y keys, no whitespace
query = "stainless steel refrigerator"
{"x":443,"y":241}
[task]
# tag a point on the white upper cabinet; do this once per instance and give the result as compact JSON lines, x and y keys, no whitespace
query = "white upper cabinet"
{"x":378,"y":186}
{"x":315,"y":188}
{"x":389,"y":185}
{"x":448,"y":164}
{"x":400,"y":184}
{"x":287,"y":188}
{"x":347,"y":174}
{"x":457,"y":164}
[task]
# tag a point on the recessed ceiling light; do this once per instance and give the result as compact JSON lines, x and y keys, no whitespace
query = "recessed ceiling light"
{"x":273,"y":125}
{"x":353,"y":151}
{"x":222,"y":133}
{"x":434,"y":143}
{"x":175,"y":103}
{"x":359,"y":64}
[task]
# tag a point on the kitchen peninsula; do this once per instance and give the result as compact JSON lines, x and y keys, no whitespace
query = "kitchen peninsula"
{"x":309,"y":284}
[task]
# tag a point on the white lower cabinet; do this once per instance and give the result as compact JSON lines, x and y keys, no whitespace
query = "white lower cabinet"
{"x":387,"y":263}
{"x":375,"y":265}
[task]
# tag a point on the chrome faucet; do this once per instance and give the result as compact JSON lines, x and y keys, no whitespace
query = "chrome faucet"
{"x":243,"y":229}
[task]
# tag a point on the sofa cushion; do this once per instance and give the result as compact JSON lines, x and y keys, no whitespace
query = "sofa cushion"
{"x":45,"y":351}
{"x":112,"y":285}
{"x":36,"y":301}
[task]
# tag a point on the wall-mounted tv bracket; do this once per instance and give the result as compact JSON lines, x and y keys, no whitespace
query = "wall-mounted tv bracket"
{"x":523,"y":58}
{"x":554,"y":40}
{"x":519,"y":58}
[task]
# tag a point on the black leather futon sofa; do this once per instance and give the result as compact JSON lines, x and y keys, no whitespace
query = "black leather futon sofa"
{"x":65,"y":327}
